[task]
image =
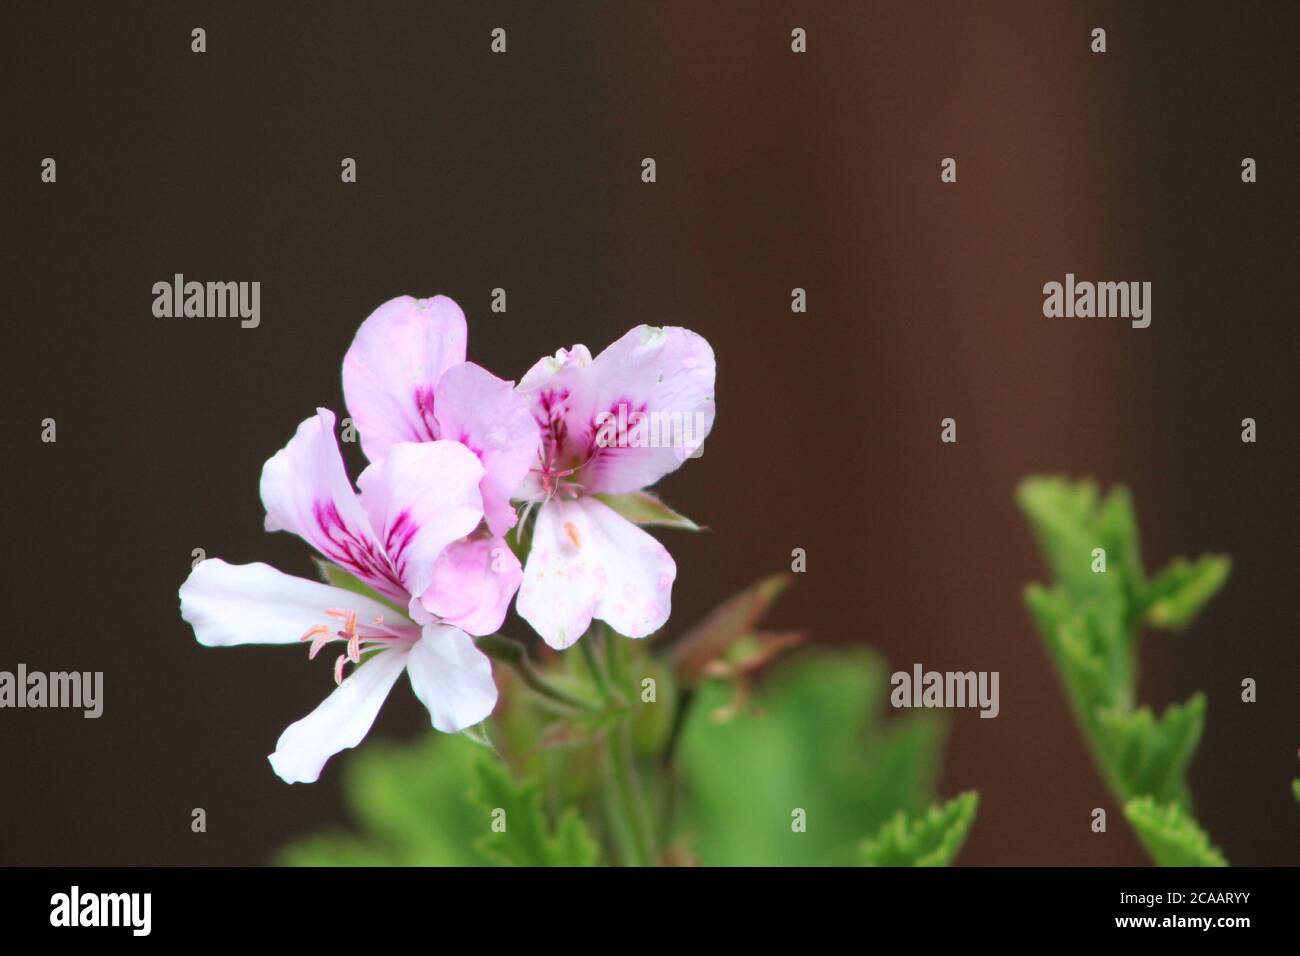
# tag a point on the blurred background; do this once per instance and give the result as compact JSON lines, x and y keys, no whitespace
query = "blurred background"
{"x":775,"y":171}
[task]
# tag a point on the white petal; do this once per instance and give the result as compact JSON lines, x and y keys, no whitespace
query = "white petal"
{"x":229,"y":604}
{"x":341,"y":721}
{"x":588,"y":561}
{"x":452,"y":678}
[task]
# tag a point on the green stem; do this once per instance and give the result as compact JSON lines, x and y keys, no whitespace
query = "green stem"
{"x":618,"y":747}
{"x":503,"y":649}
{"x":592,"y":660}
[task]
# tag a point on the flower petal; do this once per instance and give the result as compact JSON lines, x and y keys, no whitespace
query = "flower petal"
{"x":393,"y":366}
{"x":452,"y":678}
{"x":662,"y":378}
{"x":306,"y":491}
{"x":551,"y":386}
{"x":487,"y":414}
{"x":473,"y":583}
{"x":420,"y":499}
{"x":341,"y":721}
{"x":587,"y":561}
{"x":230,"y":604}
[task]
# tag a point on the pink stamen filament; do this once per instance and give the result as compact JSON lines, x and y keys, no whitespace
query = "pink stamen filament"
{"x":378,"y":635}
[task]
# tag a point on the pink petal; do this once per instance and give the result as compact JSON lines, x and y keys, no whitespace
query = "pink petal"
{"x":393,"y":366}
{"x":484,"y":412}
{"x":663,"y":378}
{"x":551,"y":386}
{"x":420,"y":499}
{"x":306,"y":491}
{"x":473,"y":583}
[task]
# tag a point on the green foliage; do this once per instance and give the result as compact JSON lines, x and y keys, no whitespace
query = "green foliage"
{"x":584,"y":766}
{"x":1176,"y":596}
{"x":1170,"y":835}
{"x":1090,"y":622}
{"x":412,"y":804}
{"x":527,"y":838}
{"x":933,"y":839}
{"x":814,"y":741}
{"x":645,"y":509}
{"x":1150,"y":755}
{"x":432,"y":803}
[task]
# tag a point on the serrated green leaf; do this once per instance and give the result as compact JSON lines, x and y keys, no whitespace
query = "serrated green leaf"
{"x":1089,"y":622}
{"x":1179,"y":592}
{"x":526,"y":839}
{"x":932,"y":839}
{"x":1170,"y":834}
{"x":645,"y":509}
{"x":1149,"y":756}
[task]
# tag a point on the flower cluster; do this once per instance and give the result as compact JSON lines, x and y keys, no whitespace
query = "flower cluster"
{"x":418,"y":563}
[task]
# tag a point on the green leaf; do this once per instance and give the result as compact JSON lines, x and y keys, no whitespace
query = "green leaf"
{"x":643,"y":508}
{"x":1150,"y":756}
{"x":1090,"y":620}
{"x":333,"y":574}
{"x":336,"y":850}
{"x":1170,"y":835}
{"x":933,"y":839}
{"x":1177,"y":595}
{"x":527,"y":839}
{"x":412,"y":806}
{"x":815,"y":740}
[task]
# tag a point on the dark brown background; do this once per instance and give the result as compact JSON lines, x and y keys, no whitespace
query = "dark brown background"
{"x":775,"y":171}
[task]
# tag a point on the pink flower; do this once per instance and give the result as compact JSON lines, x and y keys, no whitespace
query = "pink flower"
{"x":407,"y":529}
{"x":610,"y":425}
{"x":405,"y":379}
